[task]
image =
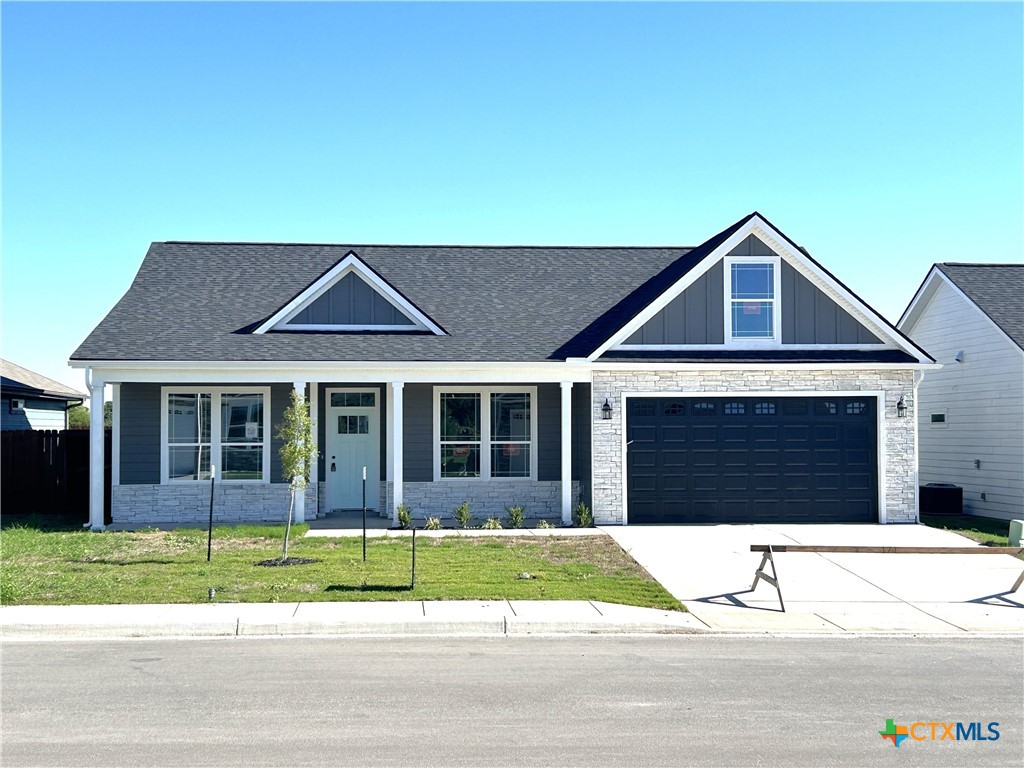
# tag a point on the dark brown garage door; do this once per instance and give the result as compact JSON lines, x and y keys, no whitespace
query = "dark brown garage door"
{"x":752,"y":459}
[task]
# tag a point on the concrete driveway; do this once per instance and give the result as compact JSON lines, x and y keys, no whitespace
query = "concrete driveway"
{"x":710,"y":569}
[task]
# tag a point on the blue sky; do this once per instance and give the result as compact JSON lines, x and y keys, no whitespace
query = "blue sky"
{"x":883,"y":137}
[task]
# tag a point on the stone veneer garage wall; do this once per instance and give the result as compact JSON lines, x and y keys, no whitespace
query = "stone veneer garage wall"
{"x":897,"y":473}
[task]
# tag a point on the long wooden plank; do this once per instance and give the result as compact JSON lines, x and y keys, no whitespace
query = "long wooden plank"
{"x":887,"y":550}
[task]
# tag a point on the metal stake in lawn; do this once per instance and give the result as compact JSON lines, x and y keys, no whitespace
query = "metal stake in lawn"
{"x":364,"y":514}
{"x":413,"y":584}
{"x":209,"y":531}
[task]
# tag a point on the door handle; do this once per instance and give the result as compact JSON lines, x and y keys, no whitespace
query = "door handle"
{"x":334,"y":467}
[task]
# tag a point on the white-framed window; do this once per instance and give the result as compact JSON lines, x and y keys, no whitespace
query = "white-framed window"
{"x":752,"y":308}
{"x":485,"y":432}
{"x":224,"y":427}
{"x":937,"y":418}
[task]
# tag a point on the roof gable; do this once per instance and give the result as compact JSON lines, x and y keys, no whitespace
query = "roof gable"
{"x":349,"y":297}
{"x":994,"y":290}
{"x":856,"y":325}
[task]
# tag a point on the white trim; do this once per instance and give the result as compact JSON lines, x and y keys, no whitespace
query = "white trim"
{"x":454,"y":372}
{"x":351,"y":263}
{"x":767,"y":345}
{"x":485,"y":393}
{"x":775,"y":342}
{"x":911,"y":315}
{"x":774,"y":240}
{"x":566,"y":439}
{"x":879,"y":396}
{"x":96,"y":385}
{"x":215,"y":441}
{"x":326,"y":372}
{"x":115,"y":435}
{"x":314,"y":416}
{"x":396,"y":413}
{"x":325,"y":327}
{"x":329,"y":424}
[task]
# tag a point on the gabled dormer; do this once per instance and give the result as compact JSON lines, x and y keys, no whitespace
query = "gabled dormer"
{"x":751,"y":289}
{"x":350,"y":297}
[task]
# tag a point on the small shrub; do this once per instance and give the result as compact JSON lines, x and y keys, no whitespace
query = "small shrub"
{"x":433,"y":524}
{"x":515,"y":517}
{"x":492,"y":524}
{"x":583,"y":517}
{"x":544,"y":524}
{"x":462,"y":515}
{"x":404,"y":516}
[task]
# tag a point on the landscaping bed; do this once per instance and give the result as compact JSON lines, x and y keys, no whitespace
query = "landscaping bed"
{"x":74,"y":567}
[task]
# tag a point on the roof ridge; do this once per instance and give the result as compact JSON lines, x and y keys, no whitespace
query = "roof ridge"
{"x":978,"y":264}
{"x":421,"y":245}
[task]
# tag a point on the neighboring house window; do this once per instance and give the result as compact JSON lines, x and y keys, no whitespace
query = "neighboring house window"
{"x":752,"y":301}
{"x":939,"y":418}
{"x":483,"y":433}
{"x":215,"y":427}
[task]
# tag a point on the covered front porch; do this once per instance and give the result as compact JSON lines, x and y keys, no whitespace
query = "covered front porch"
{"x":428,"y":443}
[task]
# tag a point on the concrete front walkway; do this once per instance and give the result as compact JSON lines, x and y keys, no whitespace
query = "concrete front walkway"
{"x":710,"y":569}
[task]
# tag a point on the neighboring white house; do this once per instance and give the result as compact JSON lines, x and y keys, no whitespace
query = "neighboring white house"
{"x":970,"y":317}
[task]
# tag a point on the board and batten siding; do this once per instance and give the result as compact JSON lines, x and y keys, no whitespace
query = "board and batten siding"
{"x":983,"y":401}
{"x":697,"y":315}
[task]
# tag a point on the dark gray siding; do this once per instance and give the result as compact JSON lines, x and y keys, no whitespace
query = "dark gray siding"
{"x":581,"y":451}
{"x":752,"y":246}
{"x":695,"y":316}
{"x":140,"y":434}
{"x":811,"y":317}
{"x":352,"y":301}
{"x":549,"y":432}
{"x":418,"y":430}
{"x":321,"y":430}
{"x":280,"y":398}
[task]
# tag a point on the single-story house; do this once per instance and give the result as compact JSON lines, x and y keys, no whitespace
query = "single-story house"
{"x":738,"y":380}
{"x":971,"y":412}
{"x":29,"y":400}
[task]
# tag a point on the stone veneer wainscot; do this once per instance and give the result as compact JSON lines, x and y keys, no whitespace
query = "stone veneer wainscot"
{"x":897,"y":469}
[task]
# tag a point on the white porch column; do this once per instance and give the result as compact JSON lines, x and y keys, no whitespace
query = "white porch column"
{"x":95,"y":384}
{"x":314,"y":415}
{"x":299,"y":513}
{"x":566,"y":452}
{"x":115,"y":436}
{"x":396,"y":411}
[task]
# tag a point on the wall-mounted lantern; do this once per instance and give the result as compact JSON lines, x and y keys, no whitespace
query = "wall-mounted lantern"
{"x":901,"y":407}
{"x":606,"y":410}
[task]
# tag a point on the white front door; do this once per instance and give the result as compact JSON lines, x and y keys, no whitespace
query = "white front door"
{"x":353,"y":442}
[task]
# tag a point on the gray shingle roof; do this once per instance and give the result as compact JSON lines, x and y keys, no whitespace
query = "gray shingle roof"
{"x":14,"y":378}
{"x":997,"y":289}
{"x":199,"y":301}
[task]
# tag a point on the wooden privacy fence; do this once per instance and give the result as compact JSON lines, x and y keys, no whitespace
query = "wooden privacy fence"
{"x":45,"y":473}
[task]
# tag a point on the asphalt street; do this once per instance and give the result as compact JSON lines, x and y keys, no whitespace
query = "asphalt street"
{"x":565,"y":701}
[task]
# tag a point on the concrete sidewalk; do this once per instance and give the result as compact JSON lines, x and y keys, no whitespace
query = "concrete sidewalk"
{"x":412,"y":617}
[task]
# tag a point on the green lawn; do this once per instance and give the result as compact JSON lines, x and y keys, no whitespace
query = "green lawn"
{"x":39,"y":567}
{"x":985,"y":530}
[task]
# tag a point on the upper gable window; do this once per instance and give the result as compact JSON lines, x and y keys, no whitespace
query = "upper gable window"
{"x":752,"y":300}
